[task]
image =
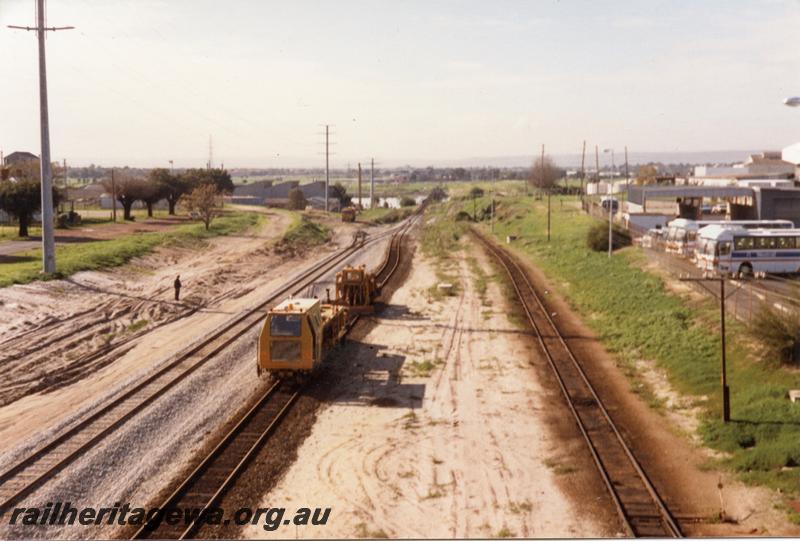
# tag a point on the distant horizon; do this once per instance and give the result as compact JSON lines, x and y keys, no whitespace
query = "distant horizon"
{"x":567,"y":160}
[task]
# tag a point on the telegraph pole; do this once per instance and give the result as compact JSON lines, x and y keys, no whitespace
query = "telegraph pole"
{"x":113,"y":198}
{"x":627,"y":177}
{"x":372,"y":183}
{"x":597,"y":163}
{"x":726,"y":392}
{"x":583,"y":163}
{"x":359,"y":185}
{"x":327,"y":167}
{"x":548,"y":196}
{"x":48,"y":238}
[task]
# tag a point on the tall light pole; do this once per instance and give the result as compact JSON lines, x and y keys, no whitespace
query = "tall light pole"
{"x":610,"y":200}
{"x":48,"y":238}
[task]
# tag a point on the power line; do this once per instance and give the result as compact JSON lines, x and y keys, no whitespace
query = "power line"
{"x":48,"y":237}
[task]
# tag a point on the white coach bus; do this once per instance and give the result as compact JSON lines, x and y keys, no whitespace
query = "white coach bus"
{"x":742,"y":252}
{"x":681,"y":234}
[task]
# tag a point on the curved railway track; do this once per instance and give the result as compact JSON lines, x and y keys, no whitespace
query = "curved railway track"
{"x":35,"y":469}
{"x":204,"y":488}
{"x":638,"y":503}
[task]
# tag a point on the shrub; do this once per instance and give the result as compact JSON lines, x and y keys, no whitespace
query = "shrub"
{"x":297,"y":201}
{"x":597,"y":237}
{"x":778,"y":333}
{"x":437,"y":194}
{"x":407,"y":201}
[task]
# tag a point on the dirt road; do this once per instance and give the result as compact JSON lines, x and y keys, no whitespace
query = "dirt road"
{"x":440,"y":427}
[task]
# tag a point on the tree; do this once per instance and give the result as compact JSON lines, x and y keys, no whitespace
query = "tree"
{"x":297,"y":200}
{"x":546,"y":176}
{"x":152,"y":193}
{"x":172,"y":187}
{"x":203,"y":201}
{"x":21,"y":199}
{"x":128,"y":190}
{"x":219,"y":178}
{"x":337,"y":191}
{"x":646,"y":174}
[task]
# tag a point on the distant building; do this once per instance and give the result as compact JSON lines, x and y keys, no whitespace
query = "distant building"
{"x":266,"y":193}
{"x":19,"y":157}
{"x":768,"y":164}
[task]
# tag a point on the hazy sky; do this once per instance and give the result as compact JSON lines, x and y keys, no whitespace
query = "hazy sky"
{"x":141,"y":82}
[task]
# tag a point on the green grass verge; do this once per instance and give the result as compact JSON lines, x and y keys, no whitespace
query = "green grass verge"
{"x":25,"y":267}
{"x":384,"y":216}
{"x":304,"y":233}
{"x":638,"y":318}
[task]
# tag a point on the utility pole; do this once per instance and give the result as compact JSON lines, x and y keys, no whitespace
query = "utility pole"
{"x":359,"y":186}
{"x":597,"y":164}
{"x":372,"y":183}
{"x":726,"y":392}
{"x":548,"y":195}
{"x":627,"y":177}
{"x":583,"y":163}
{"x":113,"y":198}
{"x":48,"y":237}
{"x":327,"y":167}
{"x":494,"y":189}
{"x":610,"y":202}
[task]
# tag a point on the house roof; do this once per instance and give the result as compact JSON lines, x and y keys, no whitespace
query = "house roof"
{"x":19,"y":156}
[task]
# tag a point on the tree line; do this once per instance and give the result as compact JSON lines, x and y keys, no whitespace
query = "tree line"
{"x":197,"y":189}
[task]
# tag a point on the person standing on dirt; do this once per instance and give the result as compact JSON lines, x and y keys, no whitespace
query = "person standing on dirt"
{"x":177,"y":285}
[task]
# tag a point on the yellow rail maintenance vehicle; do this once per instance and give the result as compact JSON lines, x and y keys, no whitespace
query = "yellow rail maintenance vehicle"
{"x":299,"y":334}
{"x":356,"y":289}
{"x":349,"y":214}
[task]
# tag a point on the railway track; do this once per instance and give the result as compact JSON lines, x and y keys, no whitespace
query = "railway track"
{"x":33,"y":471}
{"x":204,"y":488}
{"x":638,"y":503}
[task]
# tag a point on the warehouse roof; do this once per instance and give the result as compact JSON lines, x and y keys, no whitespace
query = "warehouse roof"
{"x":637,"y":194}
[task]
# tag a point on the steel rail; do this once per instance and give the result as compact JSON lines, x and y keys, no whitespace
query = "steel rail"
{"x":192,"y":486}
{"x":188,"y":489}
{"x":519,"y":279}
{"x":23,"y":471}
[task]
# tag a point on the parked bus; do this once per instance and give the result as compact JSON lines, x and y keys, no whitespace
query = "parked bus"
{"x":742,"y":252}
{"x":681,"y":234}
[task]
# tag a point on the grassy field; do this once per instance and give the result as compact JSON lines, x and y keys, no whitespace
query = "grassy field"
{"x":638,"y":318}
{"x":77,"y":257}
{"x":91,"y":217}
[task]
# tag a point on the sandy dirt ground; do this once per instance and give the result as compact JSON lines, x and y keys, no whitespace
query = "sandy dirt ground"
{"x":152,"y":451}
{"x":440,"y":427}
{"x":100,"y":328}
